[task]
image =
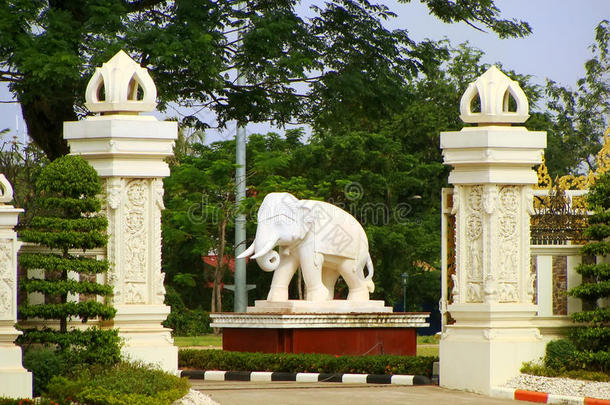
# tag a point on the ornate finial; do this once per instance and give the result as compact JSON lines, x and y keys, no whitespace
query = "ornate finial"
{"x":121,"y":85}
{"x":6,"y":190}
{"x":544,"y":179}
{"x":494,"y":90}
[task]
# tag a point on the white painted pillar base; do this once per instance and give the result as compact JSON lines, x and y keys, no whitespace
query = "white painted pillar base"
{"x":487,"y":346}
{"x":15,"y":381}
{"x":145,"y":339}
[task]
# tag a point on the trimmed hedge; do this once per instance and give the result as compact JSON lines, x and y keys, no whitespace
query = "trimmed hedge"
{"x":303,"y":363}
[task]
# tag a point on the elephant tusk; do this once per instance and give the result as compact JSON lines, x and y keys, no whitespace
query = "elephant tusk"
{"x":247,"y":252}
{"x":265,"y":249}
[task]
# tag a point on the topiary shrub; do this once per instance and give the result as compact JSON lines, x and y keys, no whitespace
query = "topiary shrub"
{"x":592,"y":336}
{"x":67,"y":192}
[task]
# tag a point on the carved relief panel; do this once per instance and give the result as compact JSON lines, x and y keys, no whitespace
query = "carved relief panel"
{"x":134,"y":246}
{"x":492,"y":244}
{"x":7,"y":279}
{"x":474,"y":243}
{"x":509,"y":219}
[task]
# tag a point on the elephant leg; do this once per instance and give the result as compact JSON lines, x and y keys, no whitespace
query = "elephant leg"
{"x":311,"y":265}
{"x":281,"y":278}
{"x":329,"y":279}
{"x":358,"y":289}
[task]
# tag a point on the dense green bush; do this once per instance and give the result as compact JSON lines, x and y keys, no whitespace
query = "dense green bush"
{"x":303,"y":363}
{"x":560,"y":354}
{"x":189,"y":322}
{"x":91,"y":346}
{"x":121,"y":384}
{"x":184,"y":321}
{"x":44,"y":363}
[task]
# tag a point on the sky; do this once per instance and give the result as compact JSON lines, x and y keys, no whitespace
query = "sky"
{"x":557,"y":49}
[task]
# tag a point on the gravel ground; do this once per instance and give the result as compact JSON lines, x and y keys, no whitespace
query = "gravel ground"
{"x":195,"y":398}
{"x":561,"y":386}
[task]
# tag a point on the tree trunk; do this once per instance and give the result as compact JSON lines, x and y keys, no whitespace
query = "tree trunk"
{"x":300,"y":283}
{"x":217,"y":290}
{"x":63,"y":321}
{"x":45,"y":115}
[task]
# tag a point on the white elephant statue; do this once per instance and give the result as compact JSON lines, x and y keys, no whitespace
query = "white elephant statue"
{"x":324,"y":240}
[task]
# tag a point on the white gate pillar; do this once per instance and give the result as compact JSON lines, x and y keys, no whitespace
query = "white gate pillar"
{"x":128,"y":152}
{"x":493,"y":288}
{"x":15,"y":381}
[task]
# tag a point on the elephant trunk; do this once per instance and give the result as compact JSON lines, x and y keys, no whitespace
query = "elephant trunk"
{"x":267,"y":258}
{"x":269,"y":261}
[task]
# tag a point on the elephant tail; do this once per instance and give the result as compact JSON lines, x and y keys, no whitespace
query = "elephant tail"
{"x":371,"y":270}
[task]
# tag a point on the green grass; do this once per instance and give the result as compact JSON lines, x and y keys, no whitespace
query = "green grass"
{"x":203,"y":340}
{"x":428,"y":340}
{"x":431,"y":350}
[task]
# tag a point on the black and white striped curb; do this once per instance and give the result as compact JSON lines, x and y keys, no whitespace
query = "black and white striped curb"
{"x":268,"y":376}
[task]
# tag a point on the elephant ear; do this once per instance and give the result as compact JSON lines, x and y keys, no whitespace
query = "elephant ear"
{"x":307,"y":221}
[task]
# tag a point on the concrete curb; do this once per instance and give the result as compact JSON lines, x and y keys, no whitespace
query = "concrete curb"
{"x":543,"y":397}
{"x":268,"y":376}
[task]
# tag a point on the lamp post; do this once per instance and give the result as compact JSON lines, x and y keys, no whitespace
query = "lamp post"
{"x":404,"y":291}
{"x":241,"y":292}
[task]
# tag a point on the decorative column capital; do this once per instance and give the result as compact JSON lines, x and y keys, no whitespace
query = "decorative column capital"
{"x":494,"y":91}
{"x":494,"y":152}
{"x":121,"y":85}
{"x":120,"y":142}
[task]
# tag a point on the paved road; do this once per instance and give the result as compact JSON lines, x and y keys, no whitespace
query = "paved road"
{"x":293,"y":393}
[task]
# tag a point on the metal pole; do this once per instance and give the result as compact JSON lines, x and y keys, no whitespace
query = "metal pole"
{"x":241,"y":293}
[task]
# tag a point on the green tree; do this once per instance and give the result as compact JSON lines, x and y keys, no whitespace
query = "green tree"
{"x":577,"y":118}
{"x":21,"y":164}
{"x":592,"y":338}
{"x":67,"y":192}
{"x":388,"y":176}
{"x":348,"y":62}
{"x":199,"y":212}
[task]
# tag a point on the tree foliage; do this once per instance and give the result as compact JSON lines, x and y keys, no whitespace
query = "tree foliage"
{"x":577,"y":118}
{"x":200,"y":207}
{"x":21,"y":163}
{"x":387,"y":173}
{"x":346,"y":62}
{"x":63,"y":229}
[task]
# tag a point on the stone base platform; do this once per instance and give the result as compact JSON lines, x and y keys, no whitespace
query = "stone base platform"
{"x":329,"y":333}
{"x":323,"y":307}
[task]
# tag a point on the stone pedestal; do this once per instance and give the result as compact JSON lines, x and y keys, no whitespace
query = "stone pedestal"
{"x":319,"y":307}
{"x":328,"y":333}
{"x":145,"y":338}
{"x":493,"y":287}
{"x":128,"y":152}
{"x":15,"y":381}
